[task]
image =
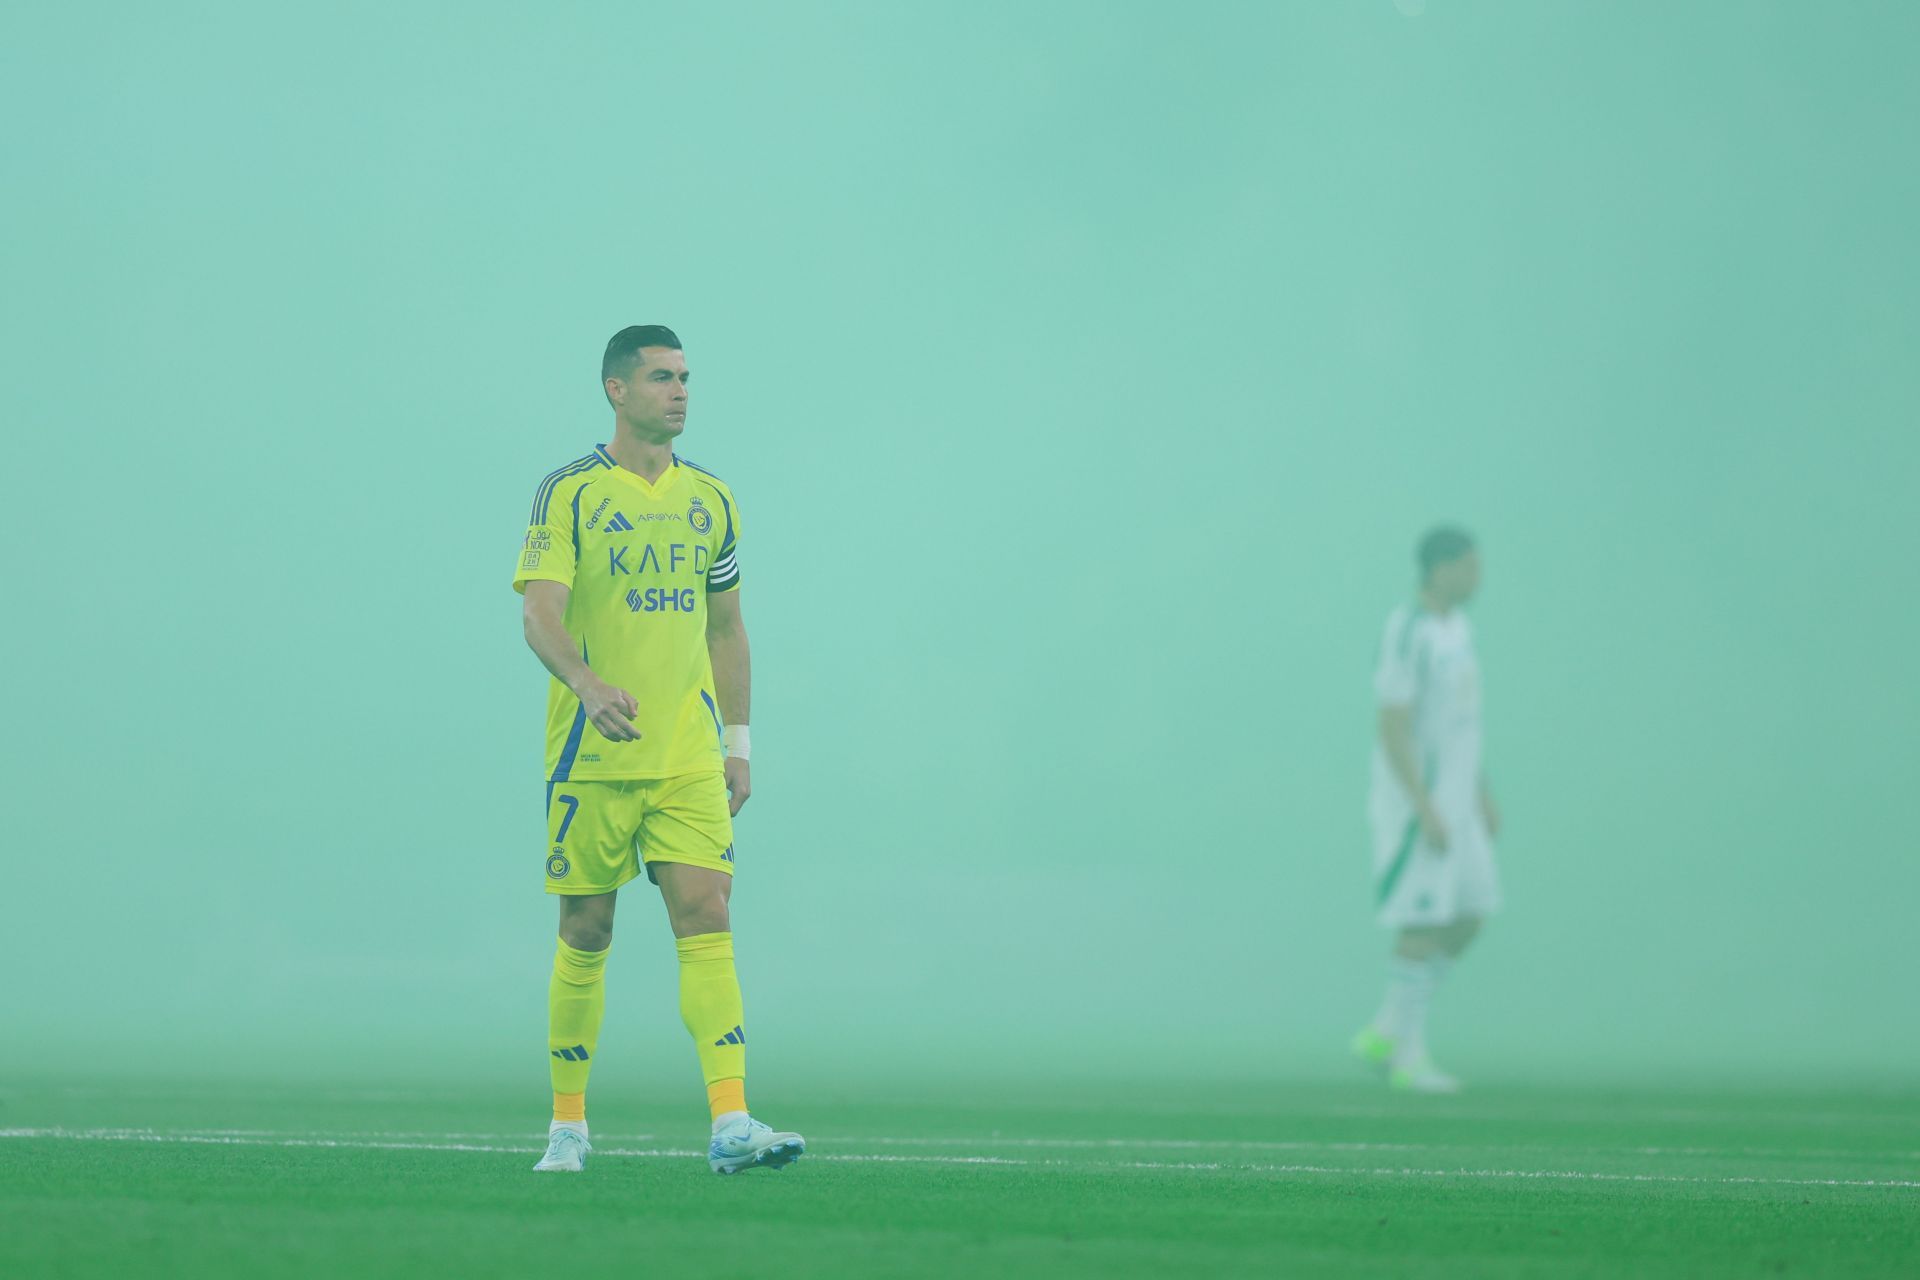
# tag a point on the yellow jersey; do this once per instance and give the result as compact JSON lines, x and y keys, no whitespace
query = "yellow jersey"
{"x":640,"y":560}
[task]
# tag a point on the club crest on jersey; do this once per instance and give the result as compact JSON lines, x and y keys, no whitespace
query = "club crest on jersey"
{"x":699,"y":517}
{"x":558,"y":866}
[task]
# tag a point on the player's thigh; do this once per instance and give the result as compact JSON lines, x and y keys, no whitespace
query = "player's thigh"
{"x":687,"y":823}
{"x":591,"y":829}
{"x":696,"y":898}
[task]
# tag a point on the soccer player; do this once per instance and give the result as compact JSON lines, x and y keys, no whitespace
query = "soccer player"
{"x":632,"y":586}
{"x":1434,"y":819}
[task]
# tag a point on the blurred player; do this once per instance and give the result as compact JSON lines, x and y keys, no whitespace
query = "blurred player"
{"x":1433,"y":817}
{"x":633,"y":603}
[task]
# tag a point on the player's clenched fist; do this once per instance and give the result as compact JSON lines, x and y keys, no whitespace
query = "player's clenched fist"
{"x":739,"y":783}
{"x":610,"y":710}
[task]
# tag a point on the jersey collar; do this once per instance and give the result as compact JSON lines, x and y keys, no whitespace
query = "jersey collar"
{"x":637,"y":480}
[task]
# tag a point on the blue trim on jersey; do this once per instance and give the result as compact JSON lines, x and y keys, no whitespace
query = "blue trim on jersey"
{"x":543,"y":496}
{"x":605,"y":457}
{"x":544,"y":493}
{"x":576,"y":526}
{"x":715,"y":713}
{"x":562,"y":770}
{"x":697,"y":467}
{"x":572,"y":747}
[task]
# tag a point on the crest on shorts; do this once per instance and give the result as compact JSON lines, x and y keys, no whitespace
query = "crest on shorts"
{"x":699,"y":517}
{"x":558,"y":866}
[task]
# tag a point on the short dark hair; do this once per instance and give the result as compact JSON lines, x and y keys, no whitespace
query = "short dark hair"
{"x":1441,"y":546}
{"x":623,"y":349}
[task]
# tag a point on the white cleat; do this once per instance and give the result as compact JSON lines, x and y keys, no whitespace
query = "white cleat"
{"x":566,"y":1152}
{"x":745,"y":1143}
{"x":1421,"y":1076}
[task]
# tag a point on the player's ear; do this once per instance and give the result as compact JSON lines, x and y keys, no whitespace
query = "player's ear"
{"x":615,"y":389}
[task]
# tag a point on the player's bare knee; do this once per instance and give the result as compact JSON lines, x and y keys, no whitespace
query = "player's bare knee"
{"x":586,"y":938}
{"x":695,"y":897}
{"x":1418,"y":942}
{"x":586,"y":923}
{"x":702,"y":913}
{"x":1460,"y":933}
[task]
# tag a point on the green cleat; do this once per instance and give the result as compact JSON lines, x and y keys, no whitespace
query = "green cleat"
{"x":1422,"y":1077}
{"x":1373,"y":1049}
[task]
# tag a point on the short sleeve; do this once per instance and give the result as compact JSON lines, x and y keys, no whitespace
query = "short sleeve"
{"x":548,"y":552}
{"x":1396,"y":680}
{"x":724,"y":573}
{"x":545,"y":556}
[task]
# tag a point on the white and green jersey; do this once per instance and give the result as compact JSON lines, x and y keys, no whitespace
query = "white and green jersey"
{"x":1427,"y":662}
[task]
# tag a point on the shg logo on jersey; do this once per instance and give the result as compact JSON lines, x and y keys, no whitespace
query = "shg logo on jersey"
{"x":699,"y":517}
{"x":658,"y":600}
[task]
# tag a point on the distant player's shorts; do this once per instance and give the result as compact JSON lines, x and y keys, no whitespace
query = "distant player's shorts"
{"x":1416,"y":885}
{"x":601,"y":834}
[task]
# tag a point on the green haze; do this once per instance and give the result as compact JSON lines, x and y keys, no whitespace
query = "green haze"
{"x":1085,"y":373}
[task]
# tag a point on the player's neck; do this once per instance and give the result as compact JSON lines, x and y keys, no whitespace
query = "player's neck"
{"x":1430,"y":601}
{"x":648,"y":459}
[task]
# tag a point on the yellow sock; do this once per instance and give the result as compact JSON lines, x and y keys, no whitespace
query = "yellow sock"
{"x":710,"y":1006}
{"x":576,"y":1000}
{"x":726,"y":1095}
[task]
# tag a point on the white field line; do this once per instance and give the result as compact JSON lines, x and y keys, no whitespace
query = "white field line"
{"x":1072,"y":1144}
{"x":1554,"y":1175}
{"x":1451,"y":1109}
{"x":1248,"y":1144}
{"x":1448,"y":1109}
{"x":1088,"y":1144}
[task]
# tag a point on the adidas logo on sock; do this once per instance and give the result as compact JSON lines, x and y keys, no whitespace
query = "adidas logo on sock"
{"x":735,"y":1036}
{"x":619,"y":523}
{"x":576,"y":1054}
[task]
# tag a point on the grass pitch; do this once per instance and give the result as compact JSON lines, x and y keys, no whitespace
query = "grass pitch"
{"x":148,"y":1180}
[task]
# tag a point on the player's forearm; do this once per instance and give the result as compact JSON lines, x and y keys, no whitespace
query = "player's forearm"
{"x":557,"y":650}
{"x":732,"y":673}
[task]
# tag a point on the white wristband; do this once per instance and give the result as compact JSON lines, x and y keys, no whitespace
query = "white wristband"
{"x":737,"y":742}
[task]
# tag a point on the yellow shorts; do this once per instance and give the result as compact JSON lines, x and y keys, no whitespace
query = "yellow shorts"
{"x":600,"y":834}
